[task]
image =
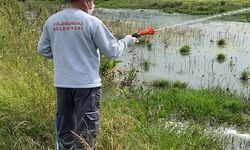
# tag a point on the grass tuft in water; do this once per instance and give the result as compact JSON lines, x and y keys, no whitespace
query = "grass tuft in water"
{"x":221,"y":57}
{"x":185,"y":50}
{"x":245,"y":75}
{"x":180,"y":84}
{"x":149,"y":45}
{"x":146,"y":64}
{"x":221,"y":42}
{"x":169,"y":84}
{"x":161,"y":83}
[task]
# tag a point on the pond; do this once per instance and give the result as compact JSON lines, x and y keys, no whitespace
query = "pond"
{"x":200,"y":68}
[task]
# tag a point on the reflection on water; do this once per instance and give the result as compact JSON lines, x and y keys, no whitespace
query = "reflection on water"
{"x":200,"y":69}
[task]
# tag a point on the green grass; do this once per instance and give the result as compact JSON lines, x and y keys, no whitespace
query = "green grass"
{"x":124,"y":127}
{"x":200,"y":106}
{"x":201,"y":7}
{"x":136,"y":121}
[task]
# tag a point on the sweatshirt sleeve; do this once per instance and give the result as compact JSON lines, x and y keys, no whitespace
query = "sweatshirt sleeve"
{"x":44,"y":45}
{"x":106,"y":42}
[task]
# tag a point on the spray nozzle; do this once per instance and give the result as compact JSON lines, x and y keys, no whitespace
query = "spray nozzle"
{"x":147,"y":31}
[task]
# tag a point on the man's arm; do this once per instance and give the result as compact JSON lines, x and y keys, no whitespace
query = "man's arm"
{"x":44,"y":45}
{"x":108,"y":44}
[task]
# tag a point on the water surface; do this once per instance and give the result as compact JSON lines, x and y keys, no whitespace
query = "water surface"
{"x":200,"y":69}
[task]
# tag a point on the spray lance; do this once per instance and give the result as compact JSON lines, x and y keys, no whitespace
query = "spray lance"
{"x":147,"y":31}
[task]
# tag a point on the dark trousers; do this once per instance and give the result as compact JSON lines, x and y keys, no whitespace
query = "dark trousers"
{"x":77,"y":117}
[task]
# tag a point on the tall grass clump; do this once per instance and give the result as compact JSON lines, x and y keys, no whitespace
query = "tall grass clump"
{"x":26,"y":89}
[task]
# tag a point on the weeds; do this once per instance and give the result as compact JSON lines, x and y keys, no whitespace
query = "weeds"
{"x":108,"y":66}
{"x":129,"y":78}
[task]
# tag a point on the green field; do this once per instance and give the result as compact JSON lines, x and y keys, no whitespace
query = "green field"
{"x":200,"y":7}
{"x":133,"y":117}
{"x":196,"y":7}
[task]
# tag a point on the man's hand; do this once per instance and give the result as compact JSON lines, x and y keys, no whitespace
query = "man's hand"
{"x":130,"y":40}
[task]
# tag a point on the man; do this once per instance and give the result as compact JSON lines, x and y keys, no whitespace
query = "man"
{"x":73,"y":38}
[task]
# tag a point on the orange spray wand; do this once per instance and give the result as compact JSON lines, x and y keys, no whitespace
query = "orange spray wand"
{"x":147,"y":31}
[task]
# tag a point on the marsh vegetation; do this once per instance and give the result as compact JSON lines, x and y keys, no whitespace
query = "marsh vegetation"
{"x":135,"y":114}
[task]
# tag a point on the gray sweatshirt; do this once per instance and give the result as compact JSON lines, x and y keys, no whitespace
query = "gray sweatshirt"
{"x":73,"y":38}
